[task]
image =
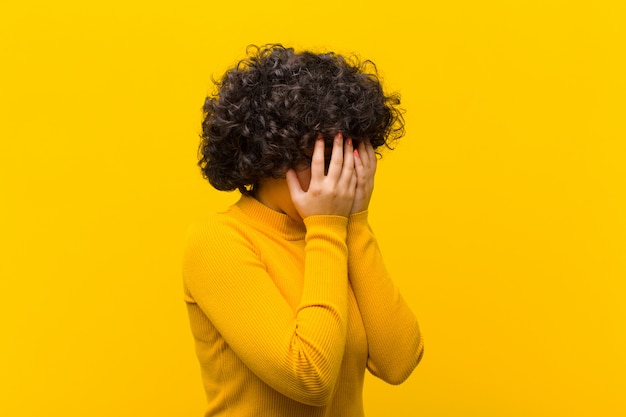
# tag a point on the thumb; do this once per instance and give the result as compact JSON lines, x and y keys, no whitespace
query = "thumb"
{"x":295,"y":190}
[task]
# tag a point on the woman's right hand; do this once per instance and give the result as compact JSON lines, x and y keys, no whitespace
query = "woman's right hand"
{"x":331,"y":193}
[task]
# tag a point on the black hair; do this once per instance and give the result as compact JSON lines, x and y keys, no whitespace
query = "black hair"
{"x":268,"y":110}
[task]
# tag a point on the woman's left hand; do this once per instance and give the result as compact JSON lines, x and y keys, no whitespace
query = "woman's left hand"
{"x":365,"y":167}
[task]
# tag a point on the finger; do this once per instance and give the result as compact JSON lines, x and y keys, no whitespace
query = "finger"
{"x":364,"y":158}
{"x":336,"y":158}
{"x":348,"y":162}
{"x":371,"y":156}
{"x":354,"y":181}
{"x":362,"y":176}
{"x":358,"y":161}
{"x":317,"y":161}
{"x":295,"y":190}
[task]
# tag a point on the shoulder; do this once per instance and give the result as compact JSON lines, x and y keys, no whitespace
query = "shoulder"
{"x":226,"y":235}
{"x":217,"y":231}
{"x":215,"y":245}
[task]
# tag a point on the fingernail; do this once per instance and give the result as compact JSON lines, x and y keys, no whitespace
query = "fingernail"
{"x":356,"y":153}
{"x":350,"y":141}
{"x":340,"y":135}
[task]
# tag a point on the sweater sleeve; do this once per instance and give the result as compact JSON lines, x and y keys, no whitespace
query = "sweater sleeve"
{"x":297,"y":353}
{"x":394,"y":340}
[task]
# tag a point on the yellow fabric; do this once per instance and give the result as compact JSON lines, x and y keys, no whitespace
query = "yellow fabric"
{"x":279,"y":328}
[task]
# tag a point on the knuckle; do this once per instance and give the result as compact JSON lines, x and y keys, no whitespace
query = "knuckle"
{"x":315,"y":192}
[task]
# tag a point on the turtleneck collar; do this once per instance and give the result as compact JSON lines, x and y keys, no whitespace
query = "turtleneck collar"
{"x":270,"y":220}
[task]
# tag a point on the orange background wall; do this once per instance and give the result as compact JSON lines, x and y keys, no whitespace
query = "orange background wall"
{"x":501,"y":213}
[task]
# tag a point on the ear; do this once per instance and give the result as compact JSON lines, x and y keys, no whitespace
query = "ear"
{"x":304,"y":178}
{"x":293,"y":183}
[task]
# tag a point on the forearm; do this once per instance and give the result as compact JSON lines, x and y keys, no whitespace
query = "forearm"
{"x":321,"y":323}
{"x":394,"y":339}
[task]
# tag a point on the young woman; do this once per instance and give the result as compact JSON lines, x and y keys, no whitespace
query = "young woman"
{"x":288,"y":297}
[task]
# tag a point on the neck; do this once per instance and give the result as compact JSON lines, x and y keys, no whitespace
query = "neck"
{"x":274,"y":193}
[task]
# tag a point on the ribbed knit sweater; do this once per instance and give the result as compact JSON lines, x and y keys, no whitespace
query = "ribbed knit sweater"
{"x":287,"y":315}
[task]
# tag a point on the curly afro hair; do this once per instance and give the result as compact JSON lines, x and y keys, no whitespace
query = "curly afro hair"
{"x":269,"y":109}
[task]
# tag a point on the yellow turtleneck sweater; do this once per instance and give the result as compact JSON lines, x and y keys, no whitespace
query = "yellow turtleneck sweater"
{"x":286,"y":315}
